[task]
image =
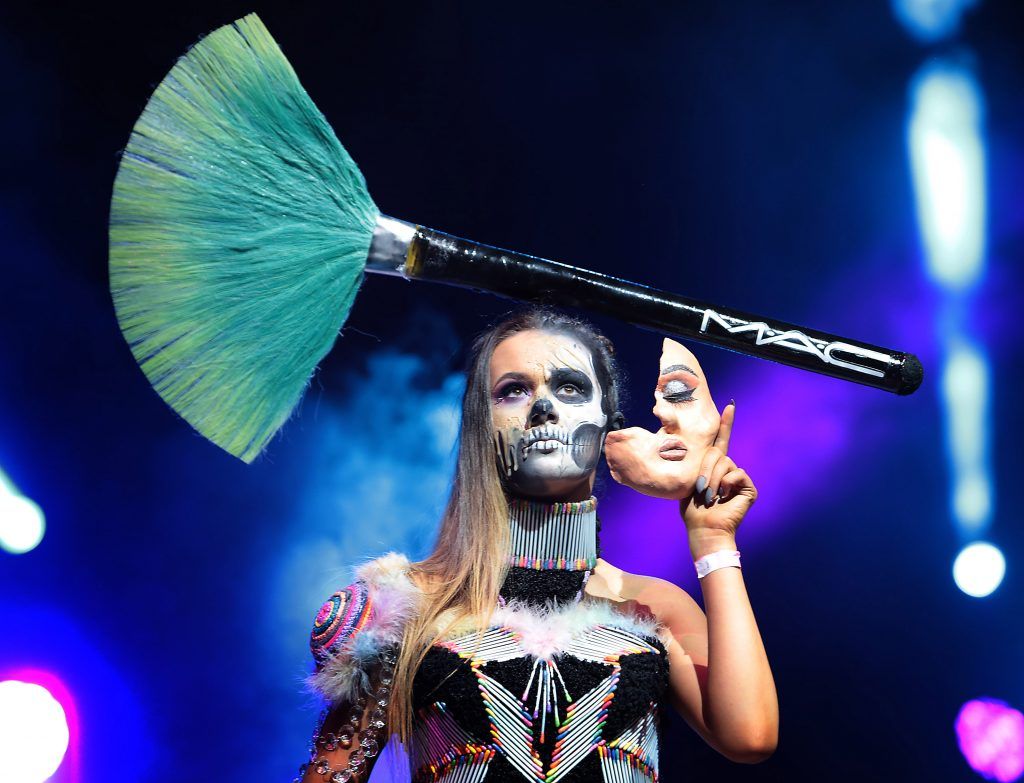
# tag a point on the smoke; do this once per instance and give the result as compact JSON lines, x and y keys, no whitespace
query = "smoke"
{"x":379,"y":469}
{"x":366,"y":467}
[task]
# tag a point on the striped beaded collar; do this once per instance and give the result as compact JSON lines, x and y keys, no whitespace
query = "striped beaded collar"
{"x":553,"y":536}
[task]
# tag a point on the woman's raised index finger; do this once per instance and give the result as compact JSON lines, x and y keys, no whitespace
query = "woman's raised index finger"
{"x":725,"y":428}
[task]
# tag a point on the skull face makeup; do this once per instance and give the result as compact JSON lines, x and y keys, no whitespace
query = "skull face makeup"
{"x":546,"y":407}
{"x":666,"y":463}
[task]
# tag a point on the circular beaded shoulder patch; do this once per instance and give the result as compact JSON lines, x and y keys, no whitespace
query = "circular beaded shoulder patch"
{"x":341,"y":616}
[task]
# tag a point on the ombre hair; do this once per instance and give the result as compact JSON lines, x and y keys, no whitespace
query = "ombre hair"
{"x":462,"y":576}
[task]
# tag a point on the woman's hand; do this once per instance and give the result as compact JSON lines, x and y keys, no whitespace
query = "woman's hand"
{"x":722,"y":495}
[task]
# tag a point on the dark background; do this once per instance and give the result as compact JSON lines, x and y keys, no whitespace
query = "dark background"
{"x":747,"y":153}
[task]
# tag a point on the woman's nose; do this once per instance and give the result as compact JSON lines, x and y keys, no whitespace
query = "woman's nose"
{"x":542,"y":412}
{"x":666,"y":415}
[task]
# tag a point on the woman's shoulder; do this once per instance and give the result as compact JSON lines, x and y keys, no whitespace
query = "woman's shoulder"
{"x":361,"y":623}
{"x":658,"y":598}
{"x":380,"y":593}
{"x":389,"y":570}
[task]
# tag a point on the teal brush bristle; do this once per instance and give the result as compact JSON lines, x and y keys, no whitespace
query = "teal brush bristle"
{"x":239,"y":229}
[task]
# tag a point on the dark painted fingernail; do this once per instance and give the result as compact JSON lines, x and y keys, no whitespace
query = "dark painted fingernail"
{"x":708,"y":495}
{"x":701,"y":483}
{"x":732,"y":403}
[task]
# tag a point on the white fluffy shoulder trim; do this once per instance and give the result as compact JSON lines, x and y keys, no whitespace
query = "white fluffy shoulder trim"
{"x":391,"y":600}
{"x":551,"y":630}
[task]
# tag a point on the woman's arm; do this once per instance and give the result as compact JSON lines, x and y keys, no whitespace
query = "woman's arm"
{"x":737,"y":704}
{"x":719,"y":673}
{"x":354,"y":643}
{"x":348,"y":732}
{"x":739,"y":701}
{"x":719,"y":678}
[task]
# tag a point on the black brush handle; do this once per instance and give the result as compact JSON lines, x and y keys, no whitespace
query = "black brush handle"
{"x":443,"y":258}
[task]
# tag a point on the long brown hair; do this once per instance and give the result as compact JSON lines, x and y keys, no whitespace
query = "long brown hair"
{"x":464,"y":573}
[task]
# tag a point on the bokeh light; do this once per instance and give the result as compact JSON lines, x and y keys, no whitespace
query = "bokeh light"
{"x":979,"y":569}
{"x":33,"y":732}
{"x":947,"y":157}
{"x":966,"y":385}
{"x":931,"y":20}
{"x":991,"y":737}
{"x":21,"y":523}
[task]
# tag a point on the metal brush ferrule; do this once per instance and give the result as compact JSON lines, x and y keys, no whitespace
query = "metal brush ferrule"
{"x":390,"y":246}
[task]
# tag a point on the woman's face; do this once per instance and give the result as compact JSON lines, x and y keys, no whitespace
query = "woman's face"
{"x":546,"y":407}
{"x":666,"y":463}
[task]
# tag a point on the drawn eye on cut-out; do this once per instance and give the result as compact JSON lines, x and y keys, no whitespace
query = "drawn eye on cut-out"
{"x":676,"y":391}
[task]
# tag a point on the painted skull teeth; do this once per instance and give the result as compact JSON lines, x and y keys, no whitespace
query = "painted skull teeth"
{"x":546,"y":432}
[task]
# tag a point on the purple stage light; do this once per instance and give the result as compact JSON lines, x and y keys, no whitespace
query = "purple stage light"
{"x":786,"y":423}
{"x":809,"y":442}
{"x":991,"y":737}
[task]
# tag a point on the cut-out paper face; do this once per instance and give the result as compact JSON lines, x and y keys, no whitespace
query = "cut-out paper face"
{"x":546,"y":406}
{"x":666,"y":463}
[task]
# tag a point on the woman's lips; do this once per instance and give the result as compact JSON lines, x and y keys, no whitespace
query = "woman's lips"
{"x":673,"y":450}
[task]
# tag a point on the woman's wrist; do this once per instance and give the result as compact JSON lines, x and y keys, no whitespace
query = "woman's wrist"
{"x":705,"y":542}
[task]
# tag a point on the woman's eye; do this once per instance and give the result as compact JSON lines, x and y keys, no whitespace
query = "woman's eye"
{"x":677,"y":391}
{"x":514,"y":391}
{"x":569,"y":390}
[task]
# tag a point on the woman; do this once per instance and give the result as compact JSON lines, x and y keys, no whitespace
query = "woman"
{"x":513,"y":652}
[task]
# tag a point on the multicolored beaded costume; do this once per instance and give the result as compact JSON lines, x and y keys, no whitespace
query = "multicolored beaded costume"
{"x":560,"y":688}
{"x":342,"y":615}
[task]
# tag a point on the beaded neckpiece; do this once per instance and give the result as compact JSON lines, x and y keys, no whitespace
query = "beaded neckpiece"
{"x":553,"y":536}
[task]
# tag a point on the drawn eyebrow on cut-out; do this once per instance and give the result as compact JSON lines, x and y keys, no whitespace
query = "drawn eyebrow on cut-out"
{"x":677,"y":367}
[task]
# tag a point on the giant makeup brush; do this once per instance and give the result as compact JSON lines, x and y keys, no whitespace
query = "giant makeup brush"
{"x":240,"y":230}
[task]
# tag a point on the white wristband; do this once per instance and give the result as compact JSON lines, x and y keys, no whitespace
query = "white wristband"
{"x":716,"y":560}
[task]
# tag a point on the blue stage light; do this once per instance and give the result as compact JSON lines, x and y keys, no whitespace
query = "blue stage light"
{"x":947,"y":157}
{"x":931,"y":20}
{"x":34,"y":732}
{"x":22,"y":523}
{"x":979,"y":569}
{"x":966,"y":394}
